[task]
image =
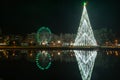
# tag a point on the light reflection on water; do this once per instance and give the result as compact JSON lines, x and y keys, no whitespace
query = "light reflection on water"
{"x":64,"y":55}
{"x":30,"y":55}
{"x":103,"y":57}
{"x":106,"y":65}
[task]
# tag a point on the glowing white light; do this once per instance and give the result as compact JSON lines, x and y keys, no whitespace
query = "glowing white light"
{"x":85,"y":37}
{"x":59,"y":53}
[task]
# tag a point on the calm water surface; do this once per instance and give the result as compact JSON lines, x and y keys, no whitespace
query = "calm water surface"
{"x":21,"y":65}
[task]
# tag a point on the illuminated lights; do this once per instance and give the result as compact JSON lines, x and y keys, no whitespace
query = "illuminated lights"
{"x":13,"y":54}
{"x":59,"y":53}
{"x":116,"y":53}
{"x":58,"y":41}
{"x":31,"y":54}
{"x":43,"y":35}
{"x":85,"y":37}
{"x":84,"y":3}
{"x":43,"y":58}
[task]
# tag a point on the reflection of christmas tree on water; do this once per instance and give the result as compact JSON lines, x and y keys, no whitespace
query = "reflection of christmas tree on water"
{"x":85,"y":37}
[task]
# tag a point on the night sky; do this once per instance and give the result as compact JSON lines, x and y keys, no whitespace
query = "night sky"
{"x":61,"y":16}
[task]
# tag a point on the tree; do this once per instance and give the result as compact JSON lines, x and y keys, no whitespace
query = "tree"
{"x":104,"y":34}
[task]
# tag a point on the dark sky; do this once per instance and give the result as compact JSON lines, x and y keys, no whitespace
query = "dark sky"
{"x":61,"y":16}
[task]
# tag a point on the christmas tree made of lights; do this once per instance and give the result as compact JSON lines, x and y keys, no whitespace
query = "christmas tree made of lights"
{"x":85,"y":37}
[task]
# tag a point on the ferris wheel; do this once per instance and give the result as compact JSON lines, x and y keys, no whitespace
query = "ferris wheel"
{"x":43,"y":35}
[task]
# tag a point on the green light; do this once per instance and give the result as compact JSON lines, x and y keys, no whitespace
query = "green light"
{"x":41,"y":31}
{"x":38,"y":62}
{"x":84,"y":3}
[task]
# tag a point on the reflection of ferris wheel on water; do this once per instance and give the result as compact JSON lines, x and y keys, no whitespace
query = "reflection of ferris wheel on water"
{"x":43,"y":60}
{"x":43,"y":35}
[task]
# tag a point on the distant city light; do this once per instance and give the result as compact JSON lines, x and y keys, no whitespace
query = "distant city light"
{"x":59,"y":53}
{"x":59,"y":41}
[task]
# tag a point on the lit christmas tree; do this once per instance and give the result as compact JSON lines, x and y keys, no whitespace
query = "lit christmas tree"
{"x":85,"y":37}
